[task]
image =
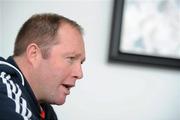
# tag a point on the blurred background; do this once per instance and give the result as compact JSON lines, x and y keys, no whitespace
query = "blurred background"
{"x":108,"y":91}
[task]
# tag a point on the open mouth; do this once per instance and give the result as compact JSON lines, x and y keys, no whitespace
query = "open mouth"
{"x":68,"y":86}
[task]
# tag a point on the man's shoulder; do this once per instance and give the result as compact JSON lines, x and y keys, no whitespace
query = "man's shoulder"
{"x":10,"y":76}
{"x":11,"y":99}
{"x":8,"y":68}
{"x":5,"y":66}
{"x":2,"y":59}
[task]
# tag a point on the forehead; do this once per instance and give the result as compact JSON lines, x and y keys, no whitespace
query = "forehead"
{"x":70,"y":39}
{"x":67,"y":32}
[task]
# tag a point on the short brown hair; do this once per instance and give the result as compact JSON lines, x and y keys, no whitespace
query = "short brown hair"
{"x":41,"y":29}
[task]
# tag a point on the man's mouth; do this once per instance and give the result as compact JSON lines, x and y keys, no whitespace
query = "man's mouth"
{"x":68,"y":86}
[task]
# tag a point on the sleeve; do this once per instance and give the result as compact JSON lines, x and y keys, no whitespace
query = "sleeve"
{"x":12,"y":105}
{"x":7,"y":108}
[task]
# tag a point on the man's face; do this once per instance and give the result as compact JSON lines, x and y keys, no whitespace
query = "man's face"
{"x":59,"y":72}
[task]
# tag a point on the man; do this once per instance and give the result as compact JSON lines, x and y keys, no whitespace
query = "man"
{"x":48,"y":54}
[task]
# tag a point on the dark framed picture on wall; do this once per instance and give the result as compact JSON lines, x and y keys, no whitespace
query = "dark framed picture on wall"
{"x":146,"y":31}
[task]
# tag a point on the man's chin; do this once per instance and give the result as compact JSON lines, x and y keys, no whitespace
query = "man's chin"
{"x":60,"y":102}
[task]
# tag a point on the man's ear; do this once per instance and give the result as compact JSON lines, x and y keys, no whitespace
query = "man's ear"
{"x":33,"y":54}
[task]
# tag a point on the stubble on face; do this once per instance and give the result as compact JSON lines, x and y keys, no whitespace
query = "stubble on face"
{"x":58,"y":69}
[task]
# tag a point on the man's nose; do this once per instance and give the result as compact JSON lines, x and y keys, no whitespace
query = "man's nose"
{"x":77,"y":72}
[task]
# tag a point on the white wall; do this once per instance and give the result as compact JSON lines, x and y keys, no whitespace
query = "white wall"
{"x":108,"y":91}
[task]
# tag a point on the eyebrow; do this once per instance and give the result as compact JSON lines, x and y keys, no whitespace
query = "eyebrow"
{"x":79,"y":56}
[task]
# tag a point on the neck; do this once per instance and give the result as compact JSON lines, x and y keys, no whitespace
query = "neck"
{"x":27,"y":70}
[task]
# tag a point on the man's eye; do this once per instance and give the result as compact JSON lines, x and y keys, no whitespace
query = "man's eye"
{"x":71,"y":59}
